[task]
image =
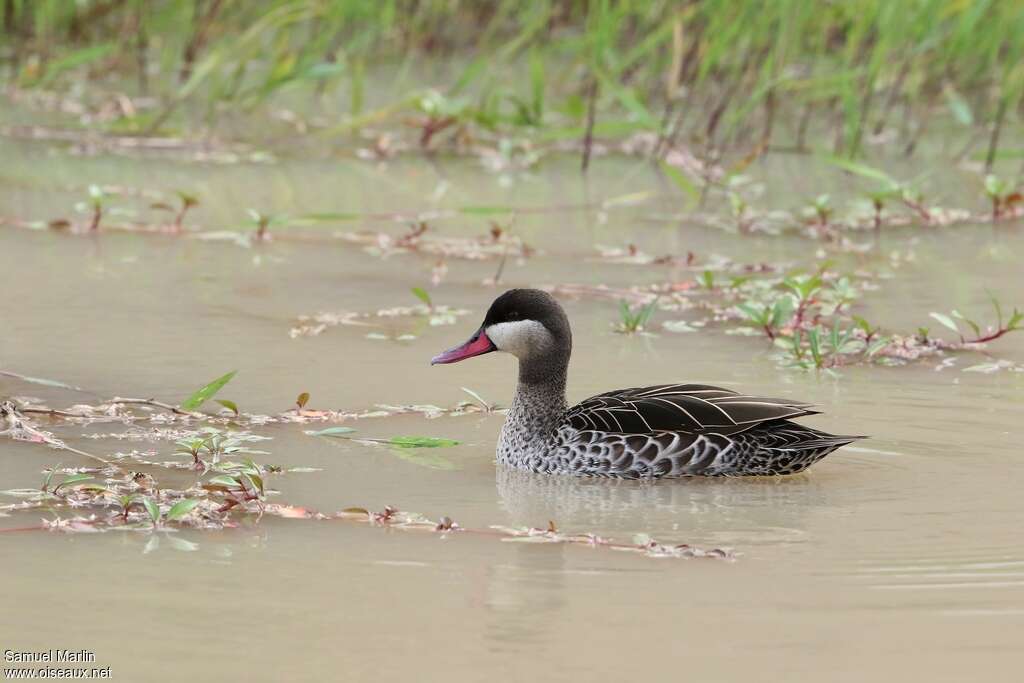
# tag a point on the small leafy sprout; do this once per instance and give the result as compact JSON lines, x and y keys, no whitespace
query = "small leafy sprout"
{"x":915,"y":200}
{"x":45,"y":488}
{"x":740,"y":211}
{"x":301,"y":400}
{"x":192,"y":447}
{"x":1014,"y":323}
{"x":219,"y":445}
{"x":207,"y":392}
{"x":244,"y":483}
{"x":216,"y":445}
{"x":821,"y":210}
{"x":97,"y":200}
{"x":878,"y":200}
{"x":186,"y":201}
{"x":707,"y":280}
{"x":423,"y":296}
{"x":1001,"y":194}
{"x":632,"y":321}
{"x":152,"y":509}
{"x":126,"y":501}
{"x":889,"y":188}
{"x":440,"y":112}
{"x":265,"y":221}
{"x":769,"y":316}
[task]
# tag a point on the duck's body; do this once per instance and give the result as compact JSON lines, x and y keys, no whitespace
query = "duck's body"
{"x":671,"y":430}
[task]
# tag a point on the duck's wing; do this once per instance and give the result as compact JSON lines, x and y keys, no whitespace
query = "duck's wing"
{"x":686,"y":408}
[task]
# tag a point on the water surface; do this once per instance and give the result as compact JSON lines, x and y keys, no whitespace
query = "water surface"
{"x":899,"y":556}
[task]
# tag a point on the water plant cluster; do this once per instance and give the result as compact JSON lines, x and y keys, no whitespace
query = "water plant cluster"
{"x":810,"y":318}
{"x":743,"y":75}
{"x":130,"y":491}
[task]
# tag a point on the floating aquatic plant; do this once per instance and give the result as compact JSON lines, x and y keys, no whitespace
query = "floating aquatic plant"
{"x":205,"y":393}
{"x":635,"y":319}
{"x":186,"y":202}
{"x":135,"y":501}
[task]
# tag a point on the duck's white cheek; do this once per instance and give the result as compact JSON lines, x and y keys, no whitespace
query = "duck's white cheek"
{"x":520,"y":338}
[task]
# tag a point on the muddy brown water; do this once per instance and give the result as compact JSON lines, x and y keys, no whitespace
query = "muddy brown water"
{"x":900,"y":556}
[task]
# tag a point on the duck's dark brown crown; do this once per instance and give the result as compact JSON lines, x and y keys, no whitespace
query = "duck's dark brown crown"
{"x":531,"y":304}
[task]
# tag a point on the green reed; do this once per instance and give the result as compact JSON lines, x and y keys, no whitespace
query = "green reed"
{"x":719,"y":73}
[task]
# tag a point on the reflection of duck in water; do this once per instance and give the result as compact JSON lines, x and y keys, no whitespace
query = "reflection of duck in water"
{"x":670,"y":430}
{"x":775,"y":508}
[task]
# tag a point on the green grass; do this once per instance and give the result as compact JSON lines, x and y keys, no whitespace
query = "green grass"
{"x":719,"y":73}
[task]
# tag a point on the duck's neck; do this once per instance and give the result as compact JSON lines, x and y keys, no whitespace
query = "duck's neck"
{"x":537,"y":411}
{"x":541,"y":403}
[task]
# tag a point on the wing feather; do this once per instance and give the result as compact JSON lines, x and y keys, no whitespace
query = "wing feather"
{"x":686,"y":408}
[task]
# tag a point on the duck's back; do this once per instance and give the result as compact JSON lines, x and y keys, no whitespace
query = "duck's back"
{"x":676,"y":430}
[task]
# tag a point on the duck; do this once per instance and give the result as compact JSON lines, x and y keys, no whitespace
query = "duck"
{"x":653,"y":432}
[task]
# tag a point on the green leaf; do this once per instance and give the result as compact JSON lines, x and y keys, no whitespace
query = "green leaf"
{"x":230,"y":405}
{"x":959,"y":108}
{"x":152,"y":509}
{"x":49,"y":477}
{"x":206,"y":393}
{"x":645,"y":314}
{"x":331,"y":431}
{"x":302,"y":400}
{"x":256,"y":480}
{"x":74,"y":60}
{"x":73,"y":479}
{"x":421,"y":442}
{"x":223,"y":480}
{"x":181,"y":508}
{"x":681,"y":181}
{"x":781,"y":311}
{"x":814,"y":339}
{"x":1015,"y":320}
{"x":876,"y":346}
{"x":324,"y":70}
{"x":863,"y":170}
{"x":422,"y":295}
{"x":946,"y":321}
{"x":973,"y":325}
{"x":994,"y":187}
{"x":759,"y":316}
{"x":863,"y":324}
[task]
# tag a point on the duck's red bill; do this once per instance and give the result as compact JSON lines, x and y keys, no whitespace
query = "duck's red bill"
{"x":477,"y":345}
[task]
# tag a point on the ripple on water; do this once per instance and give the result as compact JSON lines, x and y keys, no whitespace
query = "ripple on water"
{"x":952,"y":570}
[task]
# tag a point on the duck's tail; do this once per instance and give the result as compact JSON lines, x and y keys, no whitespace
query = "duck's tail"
{"x":786,"y":447}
